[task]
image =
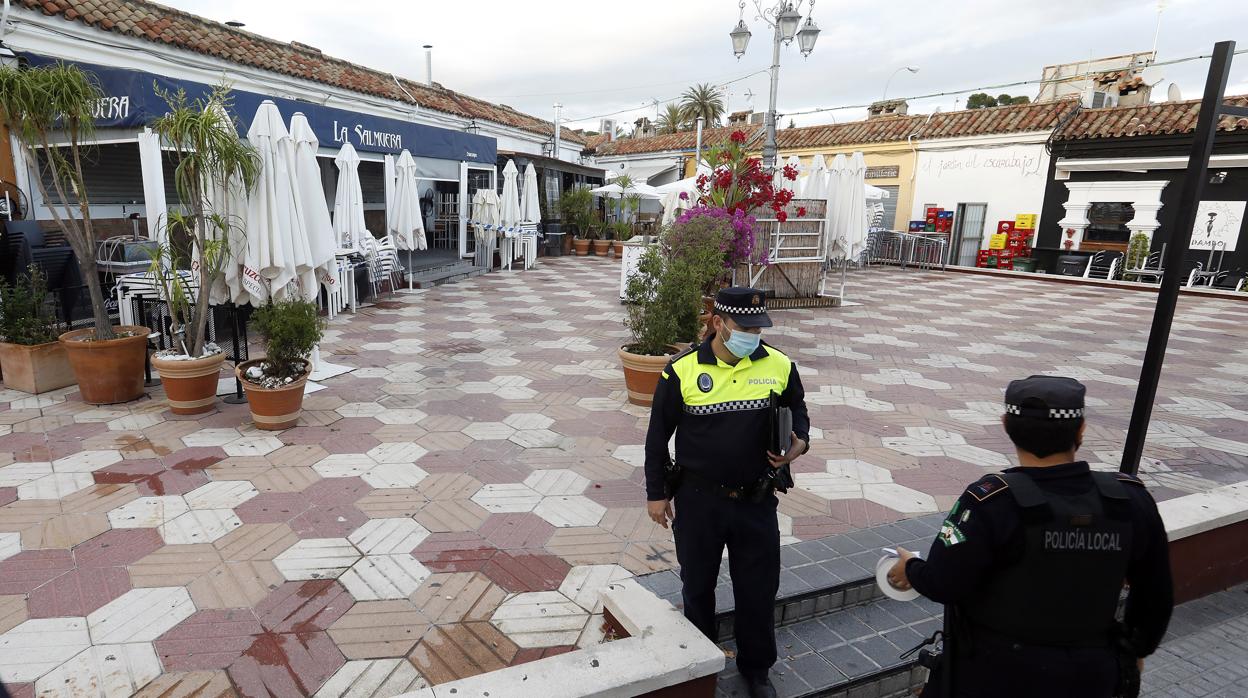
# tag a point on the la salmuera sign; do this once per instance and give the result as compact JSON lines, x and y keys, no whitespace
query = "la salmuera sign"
{"x":132,"y":99}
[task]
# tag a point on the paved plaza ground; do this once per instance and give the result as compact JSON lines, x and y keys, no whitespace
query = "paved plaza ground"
{"x":452,"y":505}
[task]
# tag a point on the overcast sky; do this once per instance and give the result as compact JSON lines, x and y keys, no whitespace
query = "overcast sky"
{"x":617,"y":59}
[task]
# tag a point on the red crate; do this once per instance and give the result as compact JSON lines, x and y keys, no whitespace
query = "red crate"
{"x":1005,"y":226}
{"x":1007,"y":264}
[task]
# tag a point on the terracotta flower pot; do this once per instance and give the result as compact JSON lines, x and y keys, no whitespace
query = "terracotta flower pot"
{"x":602,"y":247}
{"x":567,"y":244}
{"x":581,"y":247}
{"x":191,"y":384}
{"x":641,"y":374}
{"x":35,"y":368}
{"x":108,"y":371}
{"x":273,"y":409}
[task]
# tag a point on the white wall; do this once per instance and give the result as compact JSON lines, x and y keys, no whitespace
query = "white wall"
{"x":1009,"y":177}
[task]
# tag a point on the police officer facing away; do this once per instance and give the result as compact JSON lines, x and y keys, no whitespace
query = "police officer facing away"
{"x":1032,"y":562}
{"x":716,"y":398}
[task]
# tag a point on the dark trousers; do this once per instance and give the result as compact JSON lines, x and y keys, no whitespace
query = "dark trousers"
{"x":704,"y":524}
{"x":992,"y":670}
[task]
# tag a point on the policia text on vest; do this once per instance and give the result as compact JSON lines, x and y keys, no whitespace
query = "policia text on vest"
{"x":717,"y":399}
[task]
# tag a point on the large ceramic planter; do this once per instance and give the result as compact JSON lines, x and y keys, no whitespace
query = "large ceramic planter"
{"x":567,"y":244}
{"x":273,"y":409}
{"x":190,"y":384}
{"x":602,"y":247}
{"x":35,"y":368}
{"x":580,"y":246}
{"x":641,"y":375}
{"x":108,"y":371}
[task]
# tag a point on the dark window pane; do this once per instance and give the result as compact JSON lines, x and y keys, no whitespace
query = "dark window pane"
{"x":1108,"y":222}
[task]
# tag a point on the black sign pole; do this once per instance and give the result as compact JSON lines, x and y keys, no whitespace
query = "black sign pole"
{"x":1168,"y":295}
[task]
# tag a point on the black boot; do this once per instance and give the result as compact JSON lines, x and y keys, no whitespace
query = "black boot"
{"x":759,"y":686}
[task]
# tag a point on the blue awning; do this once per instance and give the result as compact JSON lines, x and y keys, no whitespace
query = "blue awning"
{"x":131,"y":101}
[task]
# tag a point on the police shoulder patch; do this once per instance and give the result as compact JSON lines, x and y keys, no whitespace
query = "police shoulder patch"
{"x":987,"y":486}
{"x":1124,"y":477}
{"x":705,"y":383}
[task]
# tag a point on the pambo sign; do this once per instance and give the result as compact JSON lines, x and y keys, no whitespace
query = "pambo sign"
{"x":131,"y":101}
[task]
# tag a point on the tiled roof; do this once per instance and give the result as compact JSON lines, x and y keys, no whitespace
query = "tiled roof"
{"x":886,"y":129}
{"x":1167,"y":118}
{"x":592,"y":142}
{"x":163,"y":25}
{"x":684,"y":140}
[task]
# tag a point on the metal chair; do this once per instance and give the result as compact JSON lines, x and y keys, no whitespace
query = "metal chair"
{"x":1104,"y":265}
{"x":1150,"y":269}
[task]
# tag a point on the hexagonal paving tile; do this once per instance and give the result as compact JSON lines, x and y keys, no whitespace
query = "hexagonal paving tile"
{"x":540,"y":619}
{"x":344,"y":465}
{"x":111,"y":671}
{"x":140,"y":615}
{"x":388,"y":536}
{"x":35,"y":647}
{"x":376,"y":577}
{"x":569,"y":511}
{"x":55,"y":486}
{"x":536,"y":438}
{"x":17,"y":474}
{"x":147,"y":512}
{"x":373,"y":678}
{"x":507,"y":498}
{"x":556,"y":482}
{"x":199,"y":526}
{"x":86,"y":461}
{"x":10,"y":544}
{"x":361,"y":409}
{"x":317,"y":558}
{"x":397,"y":452}
{"x":404,"y":415}
{"x":210,"y":437}
{"x":252,"y":446}
{"x":489,"y":431}
{"x":584,"y":584}
{"x":379,"y":629}
{"x":224,"y":494}
{"x":395,"y":476}
{"x":528,"y":420}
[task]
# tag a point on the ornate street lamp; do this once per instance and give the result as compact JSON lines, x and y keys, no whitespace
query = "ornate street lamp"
{"x":784,"y":17}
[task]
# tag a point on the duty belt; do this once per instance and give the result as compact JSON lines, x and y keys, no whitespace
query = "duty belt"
{"x":743,"y":493}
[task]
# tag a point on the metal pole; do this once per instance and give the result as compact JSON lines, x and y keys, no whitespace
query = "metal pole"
{"x":558,"y":108}
{"x":1168,"y":296}
{"x":769,"y":148}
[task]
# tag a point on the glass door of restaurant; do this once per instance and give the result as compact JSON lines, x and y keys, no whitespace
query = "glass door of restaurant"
{"x":968,"y":233}
{"x":471,"y":179}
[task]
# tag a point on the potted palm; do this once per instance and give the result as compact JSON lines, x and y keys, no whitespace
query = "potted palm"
{"x":274,"y":384}
{"x":662,"y":297}
{"x":576,"y":207}
{"x":211,"y":158}
{"x":30,"y":357}
{"x":50,"y":104}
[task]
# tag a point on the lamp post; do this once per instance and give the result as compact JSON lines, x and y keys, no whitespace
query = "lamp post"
{"x":911,"y":68}
{"x":785,"y":18}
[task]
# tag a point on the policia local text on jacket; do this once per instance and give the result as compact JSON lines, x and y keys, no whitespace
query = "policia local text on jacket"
{"x":719,"y":413}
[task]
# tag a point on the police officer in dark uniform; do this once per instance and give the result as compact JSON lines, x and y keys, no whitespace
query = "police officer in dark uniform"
{"x":1030,"y":562}
{"x":717,"y":398}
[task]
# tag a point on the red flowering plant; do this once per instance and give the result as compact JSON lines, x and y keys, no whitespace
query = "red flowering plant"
{"x":740,"y":183}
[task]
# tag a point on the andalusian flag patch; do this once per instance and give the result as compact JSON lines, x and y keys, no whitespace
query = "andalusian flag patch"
{"x":950,"y":534}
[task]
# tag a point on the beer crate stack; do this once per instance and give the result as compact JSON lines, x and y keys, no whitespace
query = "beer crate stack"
{"x":1011,"y":241}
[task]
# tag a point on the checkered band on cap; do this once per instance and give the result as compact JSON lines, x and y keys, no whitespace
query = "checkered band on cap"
{"x":732,"y":310}
{"x":1068,"y":413}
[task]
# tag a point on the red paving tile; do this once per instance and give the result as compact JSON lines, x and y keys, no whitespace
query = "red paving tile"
{"x":196,"y":458}
{"x":78,"y":592}
{"x":272,"y":507}
{"x":336,"y":490}
{"x":303,"y":606}
{"x":211,"y":639}
{"x":8,"y":495}
{"x":338,"y":521}
{"x":616,"y":493}
{"x":305,"y":435}
{"x":516,"y":531}
{"x":515,"y":572}
{"x":117,"y":548}
{"x":31,"y":568}
{"x":285,"y":665}
{"x":151,"y":477}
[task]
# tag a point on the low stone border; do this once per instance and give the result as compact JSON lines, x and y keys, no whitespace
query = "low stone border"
{"x":1207,"y":531}
{"x":1103,"y":283}
{"x":662,"y":651}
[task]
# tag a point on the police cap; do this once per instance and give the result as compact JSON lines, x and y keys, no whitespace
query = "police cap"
{"x":746,"y":306}
{"x":1045,"y":397}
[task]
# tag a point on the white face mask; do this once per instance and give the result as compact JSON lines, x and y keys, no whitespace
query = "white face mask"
{"x":741,"y":343}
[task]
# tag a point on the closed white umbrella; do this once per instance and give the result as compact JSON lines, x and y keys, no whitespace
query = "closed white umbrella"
{"x":227,"y":201}
{"x":485,"y":221}
{"x":349,"y":228}
{"x":275,"y":252}
{"x":835,"y":242}
{"x":673,"y":205}
{"x":530,"y":206}
{"x":391,"y":175}
{"x":859,"y":218}
{"x":847,"y":207}
{"x":153,"y":186}
{"x":815,"y":184}
{"x":407,"y":229}
{"x":313,"y":211}
{"x":509,"y":200}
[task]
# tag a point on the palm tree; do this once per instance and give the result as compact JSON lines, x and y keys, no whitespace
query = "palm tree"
{"x":672,"y":120}
{"x":702,"y":100}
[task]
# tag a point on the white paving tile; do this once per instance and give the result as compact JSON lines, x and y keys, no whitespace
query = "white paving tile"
{"x":395,"y":475}
{"x":899,"y":498}
{"x":489,"y":431}
{"x":210,"y":437}
{"x":140,"y":615}
{"x":10,"y":544}
{"x":540,"y":619}
{"x":556,"y":482}
{"x":400,"y":416}
{"x":376,"y":577}
{"x":147,"y":512}
{"x":397,"y":452}
{"x":373,"y":678}
{"x":135,"y":422}
{"x":55,"y":486}
{"x":86,"y":461}
{"x":317,"y":558}
{"x":108,"y":671}
{"x":361,"y":409}
{"x":16,"y":474}
{"x":528,"y":420}
{"x":388,"y":536}
{"x":35,"y":647}
{"x":570,"y":511}
{"x":344,"y":465}
{"x":507,"y":498}
{"x":634,"y":455}
{"x":536,"y":438}
{"x":224,"y":494}
{"x":252,"y":446}
{"x":199,"y":526}
{"x":584,"y":584}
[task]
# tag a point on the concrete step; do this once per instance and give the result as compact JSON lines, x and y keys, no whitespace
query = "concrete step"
{"x":445,"y":274}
